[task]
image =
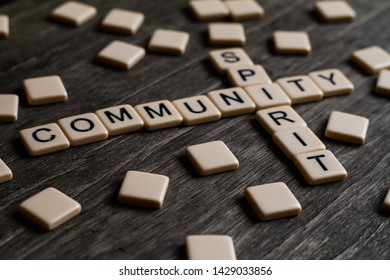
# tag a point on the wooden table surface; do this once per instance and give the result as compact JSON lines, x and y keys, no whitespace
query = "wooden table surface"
{"x":342,"y":220}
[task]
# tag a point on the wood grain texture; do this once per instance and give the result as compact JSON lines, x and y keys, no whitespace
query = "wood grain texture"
{"x":340,"y":220}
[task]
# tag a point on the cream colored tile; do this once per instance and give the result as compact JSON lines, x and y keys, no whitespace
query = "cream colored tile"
{"x":4,"y":26}
{"x":227,"y":34}
{"x":44,"y":139}
{"x":320,"y":167}
{"x":300,"y":89}
{"x":123,"y":21}
{"x":298,"y":140}
{"x":244,"y":9}
{"x":210,"y":247}
{"x":211,"y":158}
{"x":5,"y":172}
{"x":121,"y":55}
{"x":209,"y":10}
{"x":386,"y":202}
{"x":232,"y":101}
{"x":120,"y":119}
{"x":372,"y":59}
{"x":50,"y":208}
{"x":74,"y":13}
{"x":267,"y":95}
{"x":347,"y":127}
{"x":279,"y":118}
{"x":9,"y":104}
{"x":334,"y":11}
{"x":273,"y":201}
{"x":292,"y":42}
{"x":383,"y":83}
{"x":83,"y":129}
{"x":332,"y":82}
{"x":241,"y":76}
{"x":143,"y":189}
{"x":159,"y":114}
{"x":45,"y":90}
{"x":169,"y":41}
{"x":197,"y":110}
{"x":225,"y":58}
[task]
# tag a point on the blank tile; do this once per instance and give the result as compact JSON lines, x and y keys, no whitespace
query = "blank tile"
{"x":169,"y":41}
{"x":232,"y":101}
{"x":244,"y":9}
{"x":143,"y":189}
{"x":334,"y":11}
{"x":386,"y":202}
{"x":320,"y":167}
{"x":225,"y":58}
{"x":74,"y":13}
{"x":9,"y":104}
{"x":44,"y":139}
{"x":273,"y":201}
{"x":347,"y":127}
{"x":332,"y":82}
{"x":292,"y":42}
{"x":45,"y":90}
{"x":227,"y":34}
{"x":301,"y":89}
{"x":83,"y":129}
{"x":210,"y":247}
{"x":159,"y":114}
{"x":211,"y":158}
{"x":197,"y":110}
{"x":298,"y":140}
{"x":123,"y":21}
{"x":4,"y":26}
{"x":241,"y":76}
{"x":121,"y":55}
{"x":50,"y":208}
{"x":120,"y":119}
{"x":383,"y":83}
{"x":209,"y":10}
{"x":372,"y":59}
{"x":267,"y":95}
{"x":5,"y":172}
{"x":279,"y":118}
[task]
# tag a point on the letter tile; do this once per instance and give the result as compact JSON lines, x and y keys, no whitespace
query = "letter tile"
{"x":74,"y":13}
{"x":292,"y":42}
{"x":5,"y":172}
{"x":244,"y":9}
{"x":123,"y":21}
{"x":301,"y":89}
{"x":209,"y":10}
{"x":372,"y":59}
{"x":225,"y":58}
{"x":169,"y":41}
{"x":45,"y":90}
{"x":332,"y":82}
{"x":9,"y":104}
{"x":227,"y":34}
{"x":268,"y":95}
{"x":386,"y":202}
{"x":4,"y":26}
{"x":241,"y":76}
{"x":210,"y":247}
{"x":334,"y":11}
{"x":383,"y":83}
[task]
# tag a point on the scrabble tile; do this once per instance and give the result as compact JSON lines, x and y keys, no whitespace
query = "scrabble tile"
{"x":241,"y":76}
{"x":45,"y":90}
{"x":292,"y":42}
{"x":211,"y":158}
{"x":386,"y":202}
{"x":210,"y":247}
{"x":121,"y":55}
{"x":232,"y":101}
{"x":347,"y":127}
{"x":5,"y":172}
{"x":197,"y":110}
{"x":297,"y":140}
{"x":44,"y":139}
{"x":334,"y":11}
{"x":123,"y":21}
{"x":9,"y":104}
{"x":332,"y":82}
{"x":267,"y":95}
{"x":320,"y":167}
{"x":383,"y":83}
{"x":50,"y":208}
{"x":83,"y":129}
{"x":244,"y":9}
{"x":209,"y":10}
{"x":159,"y":114}
{"x":143,"y":189}
{"x":169,"y":41}
{"x":372,"y":59}
{"x":225,"y":58}
{"x":273,"y":201}
{"x":74,"y":13}
{"x":227,"y":34}
{"x":300,"y":89}
{"x":279,"y":118}
{"x":4,"y":26}
{"x":120,"y":119}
